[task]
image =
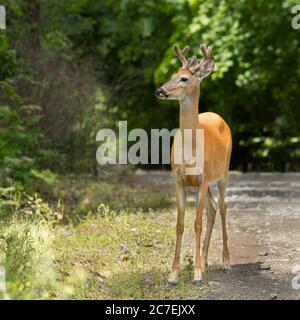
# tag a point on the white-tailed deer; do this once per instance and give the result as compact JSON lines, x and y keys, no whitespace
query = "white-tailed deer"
{"x":184,"y":86}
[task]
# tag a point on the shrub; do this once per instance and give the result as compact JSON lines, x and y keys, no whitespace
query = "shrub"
{"x":26,"y":245}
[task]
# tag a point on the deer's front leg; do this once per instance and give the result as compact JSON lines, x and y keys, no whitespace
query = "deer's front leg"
{"x":180,"y":202}
{"x":198,"y":229}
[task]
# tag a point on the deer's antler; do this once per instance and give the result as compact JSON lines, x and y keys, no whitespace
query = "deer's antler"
{"x":181,"y":54}
{"x":193,"y":64}
{"x":206,"y":53}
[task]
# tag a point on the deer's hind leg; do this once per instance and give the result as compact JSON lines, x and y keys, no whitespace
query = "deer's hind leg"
{"x":202,"y":192}
{"x":210,"y":206}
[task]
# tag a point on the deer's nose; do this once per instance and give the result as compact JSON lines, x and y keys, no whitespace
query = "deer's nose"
{"x":160,"y":92}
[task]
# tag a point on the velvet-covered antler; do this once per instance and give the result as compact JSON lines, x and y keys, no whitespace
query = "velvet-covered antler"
{"x":193,"y":64}
{"x":181,"y":54}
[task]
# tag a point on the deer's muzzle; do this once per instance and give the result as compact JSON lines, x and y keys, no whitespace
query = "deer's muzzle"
{"x":161,"y":93}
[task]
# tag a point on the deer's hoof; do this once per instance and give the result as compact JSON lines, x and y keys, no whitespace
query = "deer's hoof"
{"x":172,"y":283}
{"x":227,"y":270}
{"x":173,"y":277}
{"x":197,"y":277}
{"x":197,"y":283}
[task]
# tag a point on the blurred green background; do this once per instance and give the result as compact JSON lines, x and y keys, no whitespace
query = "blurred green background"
{"x":69,"y":68}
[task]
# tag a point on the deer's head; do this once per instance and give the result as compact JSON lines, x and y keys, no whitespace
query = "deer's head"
{"x":188,"y":77}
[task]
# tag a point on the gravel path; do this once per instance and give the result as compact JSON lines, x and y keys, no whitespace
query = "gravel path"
{"x":264,"y":235}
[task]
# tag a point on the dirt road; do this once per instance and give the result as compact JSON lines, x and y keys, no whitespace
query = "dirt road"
{"x":264,"y":235}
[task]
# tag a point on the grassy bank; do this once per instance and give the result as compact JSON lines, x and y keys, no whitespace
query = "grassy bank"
{"x":124,"y":256}
{"x":116,"y":240}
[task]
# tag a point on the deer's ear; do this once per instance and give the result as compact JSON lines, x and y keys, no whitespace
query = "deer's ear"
{"x":206,"y":68}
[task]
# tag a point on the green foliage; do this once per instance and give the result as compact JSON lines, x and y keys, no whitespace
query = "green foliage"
{"x":45,"y":175}
{"x":88,"y":64}
{"x":69,"y":68}
{"x":256,"y":100}
{"x":26,"y":244}
{"x":7,"y":58}
{"x":131,"y":45}
{"x":19,"y":138}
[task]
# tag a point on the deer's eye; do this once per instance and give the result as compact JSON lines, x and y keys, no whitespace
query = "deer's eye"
{"x":184,"y":79}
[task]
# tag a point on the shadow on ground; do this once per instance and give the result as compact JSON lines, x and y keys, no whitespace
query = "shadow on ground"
{"x":247,"y":282}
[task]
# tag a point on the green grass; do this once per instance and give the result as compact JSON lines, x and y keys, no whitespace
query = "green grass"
{"x":82,"y":196}
{"x":127,"y":256}
{"x":117,"y":241}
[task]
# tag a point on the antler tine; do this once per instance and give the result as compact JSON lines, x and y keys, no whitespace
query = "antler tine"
{"x":181,"y":54}
{"x":209,"y":49}
{"x":185,"y":50}
{"x":206,"y":51}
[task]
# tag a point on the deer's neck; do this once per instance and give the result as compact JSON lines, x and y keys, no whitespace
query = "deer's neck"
{"x":189,"y":111}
